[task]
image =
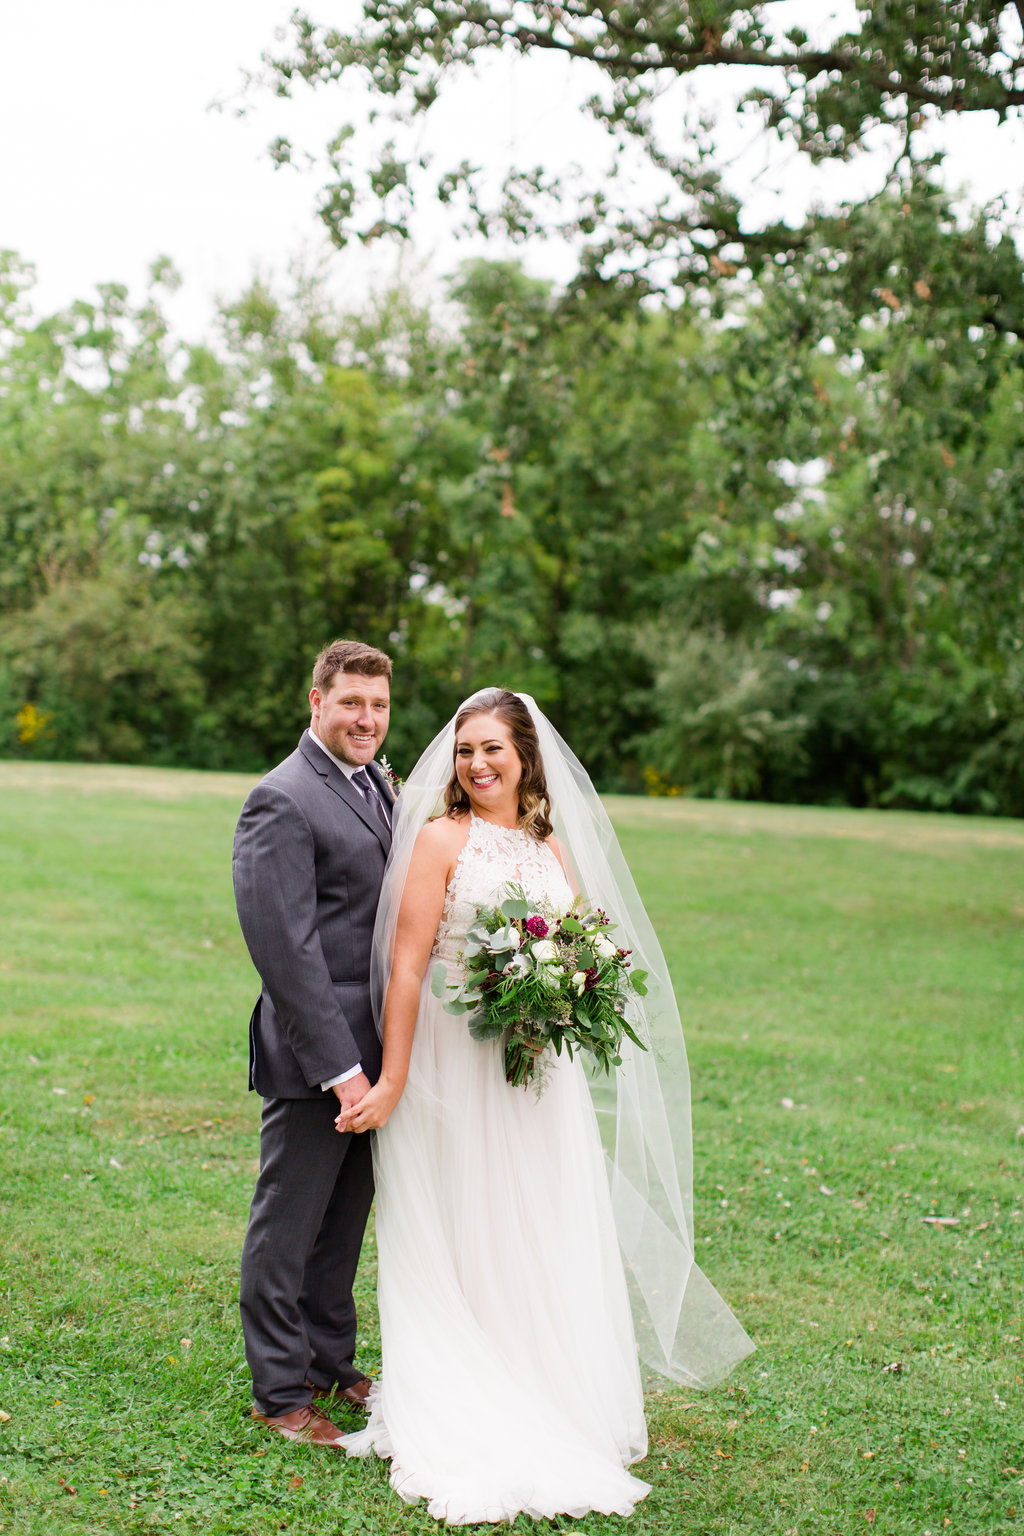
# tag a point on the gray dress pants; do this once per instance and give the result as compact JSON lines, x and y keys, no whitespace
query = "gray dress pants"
{"x":300,"y":1254}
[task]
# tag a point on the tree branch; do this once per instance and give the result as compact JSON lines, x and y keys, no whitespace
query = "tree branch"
{"x":809,"y":63}
{"x":827,"y":97}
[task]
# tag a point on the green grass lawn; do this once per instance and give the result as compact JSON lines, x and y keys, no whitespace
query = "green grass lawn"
{"x":852,"y":992}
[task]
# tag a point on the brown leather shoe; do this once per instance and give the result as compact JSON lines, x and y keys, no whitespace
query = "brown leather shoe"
{"x":308,"y":1424}
{"x":358,"y":1394}
{"x":355,"y":1396}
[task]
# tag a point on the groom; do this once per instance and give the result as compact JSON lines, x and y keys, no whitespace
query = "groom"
{"x":308,"y":862}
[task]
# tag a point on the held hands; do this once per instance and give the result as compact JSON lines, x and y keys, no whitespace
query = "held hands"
{"x":348,"y":1095}
{"x":372,"y":1110}
{"x":350,"y":1092}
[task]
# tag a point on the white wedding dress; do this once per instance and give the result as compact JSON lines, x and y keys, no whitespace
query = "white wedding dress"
{"x":510,"y":1379}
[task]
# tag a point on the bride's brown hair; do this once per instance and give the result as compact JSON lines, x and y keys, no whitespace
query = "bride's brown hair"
{"x":534,"y":801}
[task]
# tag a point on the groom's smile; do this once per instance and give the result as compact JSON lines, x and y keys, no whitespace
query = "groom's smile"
{"x":351,"y":716}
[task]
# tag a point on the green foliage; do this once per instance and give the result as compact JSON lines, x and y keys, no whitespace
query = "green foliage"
{"x":113,"y":665}
{"x":849,"y":983}
{"x":869,"y":531}
{"x":828,"y":97}
{"x":772,"y":555}
{"x":731,"y":727}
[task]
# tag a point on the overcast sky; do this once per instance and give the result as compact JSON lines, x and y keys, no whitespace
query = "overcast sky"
{"x":111,"y":154}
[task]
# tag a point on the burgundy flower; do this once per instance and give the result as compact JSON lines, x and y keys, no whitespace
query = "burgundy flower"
{"x":591,"y":975}
{"x":537,"y":926}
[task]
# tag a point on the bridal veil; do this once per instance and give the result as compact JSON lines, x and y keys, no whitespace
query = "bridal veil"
{"x":685,"y":1331}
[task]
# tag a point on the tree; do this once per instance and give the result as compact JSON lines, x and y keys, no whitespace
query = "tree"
{"x":869,"y":535}
{"x":878,"y":84}
{"x":775,"y":557}
{"x":559,"y":450}
{"x":98,"y":630}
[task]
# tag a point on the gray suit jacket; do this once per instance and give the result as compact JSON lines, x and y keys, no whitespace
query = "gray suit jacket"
{"x":308,"y":863}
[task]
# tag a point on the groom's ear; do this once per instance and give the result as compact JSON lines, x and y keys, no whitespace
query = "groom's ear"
{"x":315,"y":701}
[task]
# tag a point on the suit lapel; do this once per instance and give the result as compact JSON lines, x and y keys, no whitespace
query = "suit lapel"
{"x":339,"y":784}
{"x":384,"y":789}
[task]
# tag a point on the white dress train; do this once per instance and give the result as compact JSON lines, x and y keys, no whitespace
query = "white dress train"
{"x":510,"y":1380}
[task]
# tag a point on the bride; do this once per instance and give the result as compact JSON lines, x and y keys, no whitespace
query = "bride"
{"x":521,"y":1262}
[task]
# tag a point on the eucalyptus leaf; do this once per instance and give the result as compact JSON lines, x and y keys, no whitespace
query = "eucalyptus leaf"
{"x":439,"y":981}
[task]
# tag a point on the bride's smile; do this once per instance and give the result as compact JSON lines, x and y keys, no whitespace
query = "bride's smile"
{"x":488,"y":767}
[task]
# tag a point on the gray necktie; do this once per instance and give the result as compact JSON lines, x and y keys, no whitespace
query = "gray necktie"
{"x":361,"y":779}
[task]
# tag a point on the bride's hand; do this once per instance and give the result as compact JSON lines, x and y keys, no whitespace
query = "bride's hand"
{"x":372,"y":1111}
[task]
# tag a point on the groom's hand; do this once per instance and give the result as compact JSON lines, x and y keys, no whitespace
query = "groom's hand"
{"x":375,"y":1109}
{"x":349,"y":1093}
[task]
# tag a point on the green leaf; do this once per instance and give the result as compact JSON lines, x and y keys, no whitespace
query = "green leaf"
{"x":483,"y":1028}
{"x":632,"y":1035}
{"x":570,"y":925}
{"x":439,"y":981}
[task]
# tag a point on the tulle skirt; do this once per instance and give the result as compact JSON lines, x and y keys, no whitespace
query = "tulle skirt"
{"x":510,"y":1380}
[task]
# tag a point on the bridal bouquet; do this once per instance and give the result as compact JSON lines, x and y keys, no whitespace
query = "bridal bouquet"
{"x":537,"y":979}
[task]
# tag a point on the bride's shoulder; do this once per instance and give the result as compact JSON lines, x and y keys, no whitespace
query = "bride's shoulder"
{"x":562,"y":856}
{"x":443,"y":834}
{"x":551,"y":841}
{"x":436,"y":850}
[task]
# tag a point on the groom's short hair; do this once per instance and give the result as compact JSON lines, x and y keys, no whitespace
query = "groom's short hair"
{"x":349,"y":656}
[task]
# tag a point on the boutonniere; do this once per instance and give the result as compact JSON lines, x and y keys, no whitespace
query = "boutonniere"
{"x":391,"y":778}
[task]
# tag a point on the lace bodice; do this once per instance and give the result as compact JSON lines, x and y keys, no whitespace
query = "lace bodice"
{"x":492,"y":859}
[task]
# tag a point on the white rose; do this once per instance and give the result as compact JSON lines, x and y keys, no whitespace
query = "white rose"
{"x":544,"y":952}
{"x":517,"y":966}
{"x":579,"y":981}
{"x":603,"y":946}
